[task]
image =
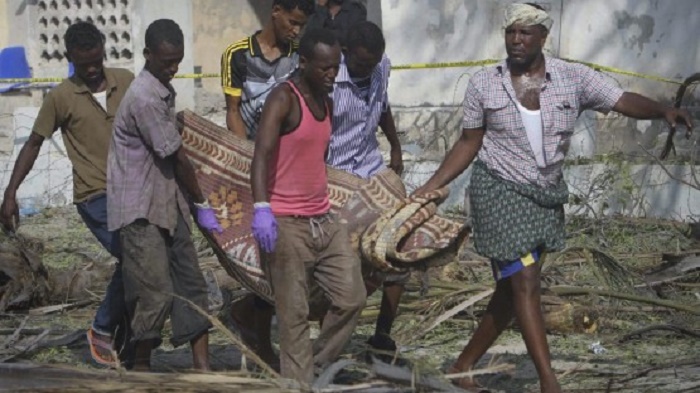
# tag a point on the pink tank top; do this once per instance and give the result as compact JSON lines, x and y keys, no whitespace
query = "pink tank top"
{"x":297,"y":182}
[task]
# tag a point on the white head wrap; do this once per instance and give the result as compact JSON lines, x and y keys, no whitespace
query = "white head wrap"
{"x":526,"y":15}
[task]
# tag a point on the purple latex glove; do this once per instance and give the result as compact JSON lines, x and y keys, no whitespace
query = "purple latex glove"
{"x":206,"y":218}
{"x":265,"y":228}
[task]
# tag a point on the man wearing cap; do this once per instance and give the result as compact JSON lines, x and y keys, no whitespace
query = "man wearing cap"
{"x":519,"y":116}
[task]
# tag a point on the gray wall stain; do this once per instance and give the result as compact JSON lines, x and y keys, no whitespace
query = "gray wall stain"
{"x":644,"y":22}
{"x":442,"y":14}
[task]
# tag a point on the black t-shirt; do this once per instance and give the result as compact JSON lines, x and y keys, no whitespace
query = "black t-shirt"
{"x":351,"y":12}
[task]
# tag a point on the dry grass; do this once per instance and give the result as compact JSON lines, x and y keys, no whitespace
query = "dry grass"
{"x":433,"y":328}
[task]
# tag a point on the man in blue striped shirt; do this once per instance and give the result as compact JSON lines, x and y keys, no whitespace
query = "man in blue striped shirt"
{"x":361,"y":104}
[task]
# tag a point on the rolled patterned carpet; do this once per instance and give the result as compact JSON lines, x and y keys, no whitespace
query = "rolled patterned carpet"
{"x":389,"y":231}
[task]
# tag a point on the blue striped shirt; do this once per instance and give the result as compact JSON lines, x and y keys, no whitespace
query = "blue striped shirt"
{"x":354,"y":147}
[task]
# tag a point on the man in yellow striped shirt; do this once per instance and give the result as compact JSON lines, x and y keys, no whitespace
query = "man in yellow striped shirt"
{"x":253,"y":66}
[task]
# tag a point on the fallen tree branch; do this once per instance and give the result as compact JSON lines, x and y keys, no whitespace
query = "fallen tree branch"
{"x":563,"y":290}
{"x":34,"y":344}
{"x":328,"y":375}
{"x":409,"y":377}
{"x":454,"y":311}
{"x":501,"y":368}
{"x":673,"y":328}
{"x":13,"y":338}
{"x":59,"y":307}
{"x":694,"y":362}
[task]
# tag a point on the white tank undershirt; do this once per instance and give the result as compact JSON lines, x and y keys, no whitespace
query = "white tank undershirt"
{"x":532,"y":120}
{"x":101,"y":98}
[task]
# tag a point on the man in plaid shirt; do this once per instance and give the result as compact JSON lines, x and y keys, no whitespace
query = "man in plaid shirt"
{"x":518,"y":120}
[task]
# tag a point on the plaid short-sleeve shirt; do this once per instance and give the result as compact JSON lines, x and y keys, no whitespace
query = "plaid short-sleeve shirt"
{"x":141,"y":181}
{"x":568,"y":90}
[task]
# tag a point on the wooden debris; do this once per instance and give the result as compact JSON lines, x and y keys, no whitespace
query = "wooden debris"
{"x":9,"y":342}
{"x":569,"y":318}
{"x":501,"y":368}
{"x":58,"y":308}
{"x":405,"y":376}
{"x":454,"y":311}
{"x":17,"y":350}
{"x":676,"y":271}
{"x":328,"y":375}
{"x":32,"y":331}
{"x":676,"y":329}
{"x":37,"y":378}
{"x":64,"y":340}
{"x":23,"y":278}
{"x":563,"y":290}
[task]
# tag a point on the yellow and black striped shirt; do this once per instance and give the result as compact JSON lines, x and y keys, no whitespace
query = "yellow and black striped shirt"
{"x":246,"y":73}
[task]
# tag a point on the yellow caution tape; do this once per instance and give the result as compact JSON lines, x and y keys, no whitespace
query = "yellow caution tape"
{"x":58,"y":80}
{"x":614,"y":70}
{"x":456,"y":64}
{"x":197,"y":76}
{"x":31,"y":80}
{"x":414,"y":66}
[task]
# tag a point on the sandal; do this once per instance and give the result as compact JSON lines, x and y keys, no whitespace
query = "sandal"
{"x":101,"y":349}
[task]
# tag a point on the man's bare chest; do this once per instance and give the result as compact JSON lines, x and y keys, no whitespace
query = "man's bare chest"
{"x":527,"y":91}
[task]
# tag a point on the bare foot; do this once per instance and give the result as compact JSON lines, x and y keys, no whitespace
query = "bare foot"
{"x":550,"y":386}
{"x":200,"y":352}
{"x":142,"y":355}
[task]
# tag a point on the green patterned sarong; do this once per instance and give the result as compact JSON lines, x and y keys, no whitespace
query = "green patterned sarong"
{"x":511,"y":219}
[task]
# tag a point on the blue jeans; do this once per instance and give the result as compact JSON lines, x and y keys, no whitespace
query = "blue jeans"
{"x":112,"y":311}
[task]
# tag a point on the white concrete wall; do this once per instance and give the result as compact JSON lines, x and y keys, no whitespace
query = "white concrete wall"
{"x":425,"y":31}
{"x":180,"y":11}
{"x":646,"y":36}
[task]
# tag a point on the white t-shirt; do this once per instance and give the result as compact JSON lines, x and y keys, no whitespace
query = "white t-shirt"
{"x":532,"y":120}
{"x":102,"y":99}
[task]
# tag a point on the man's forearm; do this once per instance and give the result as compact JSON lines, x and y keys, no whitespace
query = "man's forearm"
{"x":639,"y":107}
{"x":388,"y":126}
{"x":458,"y":159}
{"x":258,"y":177}
{"x":184,"y":171}
{"x":25,"y":161}
{"x":234,"y":122}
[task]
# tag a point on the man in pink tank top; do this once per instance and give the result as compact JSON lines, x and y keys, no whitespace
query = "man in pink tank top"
{"x":299,"y":239}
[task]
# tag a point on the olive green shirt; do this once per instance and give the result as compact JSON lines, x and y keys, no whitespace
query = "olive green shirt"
{"x":86,"y":127}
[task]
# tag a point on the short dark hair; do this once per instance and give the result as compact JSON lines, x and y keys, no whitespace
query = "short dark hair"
{"x":163,"y":30}
{"x":313,"y":37}
{"x":83,"y":36}
{"x":366,"y":35}
{"x":308,"y":7}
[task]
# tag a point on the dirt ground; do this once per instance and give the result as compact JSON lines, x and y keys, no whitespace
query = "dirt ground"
{"x":663,"y":359}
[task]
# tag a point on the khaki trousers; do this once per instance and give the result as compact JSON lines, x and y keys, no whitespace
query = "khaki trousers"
{"x":315,"y":249}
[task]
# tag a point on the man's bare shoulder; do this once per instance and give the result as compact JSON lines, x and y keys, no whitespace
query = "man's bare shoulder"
{"x":281,"y":93}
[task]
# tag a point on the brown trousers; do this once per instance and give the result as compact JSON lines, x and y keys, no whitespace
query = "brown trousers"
{"x":318,"y":250}
{"x":155,"y":266}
